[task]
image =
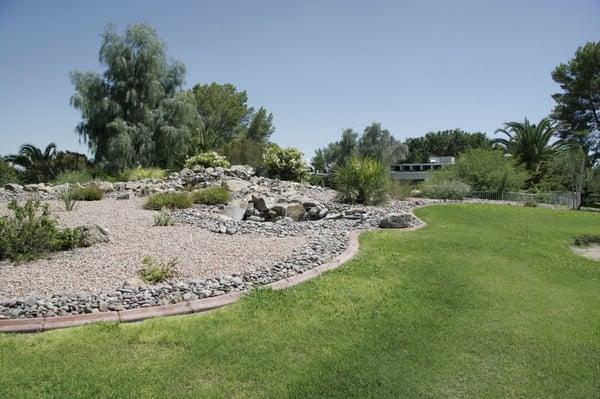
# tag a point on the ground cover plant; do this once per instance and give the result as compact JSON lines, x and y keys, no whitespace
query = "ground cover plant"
{"x":486,"y":301}
{"x":175,"y":200}
{"x":31,"y":232}
{"x":208,"y":160}
{"x":163,"y":218}
{"x":87,"y":193}
{"x":211,"y":196}
{"x":73,"y":176}
{"x":140,"y":173}
{"x":153,"y":271}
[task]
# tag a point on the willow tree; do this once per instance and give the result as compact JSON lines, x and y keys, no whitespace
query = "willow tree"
{"x":134,"y":113}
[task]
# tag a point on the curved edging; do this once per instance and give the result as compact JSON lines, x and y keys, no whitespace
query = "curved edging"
{"x":38,"y":324}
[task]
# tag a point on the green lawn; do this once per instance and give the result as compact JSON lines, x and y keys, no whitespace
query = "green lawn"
{"x":487,"y":301}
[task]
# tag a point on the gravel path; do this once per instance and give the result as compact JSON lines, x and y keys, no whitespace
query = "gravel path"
{"x":200,"y":253}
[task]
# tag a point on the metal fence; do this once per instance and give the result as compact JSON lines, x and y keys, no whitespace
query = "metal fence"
{"x":570,"y":199}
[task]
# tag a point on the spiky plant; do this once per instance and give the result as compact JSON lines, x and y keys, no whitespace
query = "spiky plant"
{"x":529,"y":143}
{"x":362,"y":180}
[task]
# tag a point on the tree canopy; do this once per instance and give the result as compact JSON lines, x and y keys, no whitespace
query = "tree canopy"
{"x":375,"y":142}
{"x":529,"y":143}
{"x":444,"y":143}
{"x":134,"y":113}
{"x":578,"y":105}
{"x":224,"y":114}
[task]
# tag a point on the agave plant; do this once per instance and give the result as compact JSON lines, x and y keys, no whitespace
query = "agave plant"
{"x":529,"y":143}
{"x":37,"y":163}
{"x":362,"y":180}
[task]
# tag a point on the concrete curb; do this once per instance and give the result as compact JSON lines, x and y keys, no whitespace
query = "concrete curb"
{"x":39,"y":324}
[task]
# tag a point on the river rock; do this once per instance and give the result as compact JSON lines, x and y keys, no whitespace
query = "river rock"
{"x":398,"y":221}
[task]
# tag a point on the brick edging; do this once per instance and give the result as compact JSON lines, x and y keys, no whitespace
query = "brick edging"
{"x":38,"y":324}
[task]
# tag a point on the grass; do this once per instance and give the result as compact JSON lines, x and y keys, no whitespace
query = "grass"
{"x":153,"y":271}
{"x":87,"y":193}
{"x":211,"y":196}
{"x":139,"y":173}
{"x":73,"y":176}
{"x":487,"y":301}
{"x":175,"y":200}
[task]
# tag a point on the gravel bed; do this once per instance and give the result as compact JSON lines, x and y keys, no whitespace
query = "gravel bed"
{"x":103,"y":277}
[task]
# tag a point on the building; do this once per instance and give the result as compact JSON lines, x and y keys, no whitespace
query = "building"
{"x":420,"y":171}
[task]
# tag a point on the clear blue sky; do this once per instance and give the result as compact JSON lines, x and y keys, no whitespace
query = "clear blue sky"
{"x":319,"y":66}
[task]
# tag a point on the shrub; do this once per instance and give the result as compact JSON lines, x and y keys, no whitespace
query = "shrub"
{"x":67,"y":199}
{"x":153,"y":272}
{"x":8,"y":174}
{"x":87,"y":193}
{"x":445,"y":189}
{"x":31,"y":232}
{"x":169,"y":201}
{"x":207,"y":159}
{"x":139,"y":173}
{"x":73,"y":176}
{"x":285,"y":163}
{"x":485,"y":170}
{"x":211,"y":196}
{"x":586,"y":240}
{"x":163,"y":218}
{"x":362,"y":180}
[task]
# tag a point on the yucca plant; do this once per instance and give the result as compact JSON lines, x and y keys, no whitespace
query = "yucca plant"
{"x":68,"y":199}
{"x":362,"y":180}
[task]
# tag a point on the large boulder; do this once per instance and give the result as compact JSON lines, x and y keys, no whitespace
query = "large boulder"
{"x":263,"y":204}
{"x":399,"y":221}
{"x":91,"y":235}
{"x":237,"y":185}
{"x":236,"y":209}
{"x":295,"y":211}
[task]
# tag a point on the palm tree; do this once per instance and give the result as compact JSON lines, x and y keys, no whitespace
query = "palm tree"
{"x":529,"y":143}
{"x":37,"y":163}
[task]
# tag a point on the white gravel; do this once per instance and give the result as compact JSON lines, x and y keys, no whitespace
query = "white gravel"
{"x":200,"y":253}
{"x":592,"y":251}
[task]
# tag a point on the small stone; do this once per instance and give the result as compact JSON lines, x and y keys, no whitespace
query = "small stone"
{"x":123,"y":196}
{"x":103,"y":306}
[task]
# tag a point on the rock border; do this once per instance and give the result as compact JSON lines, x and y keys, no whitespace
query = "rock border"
{"x":39,"y":324}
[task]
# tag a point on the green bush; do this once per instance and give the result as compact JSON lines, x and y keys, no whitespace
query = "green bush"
{"x":31,"y":232}
{"x":73,"y":176}
{"x":362,"y":180}
{"x":153,"y":272}
{"x":139,"y":173}
{"x":169,"y":201}
{"x":285,"y":163}
{"x":8,"y":174}
{"x":485,"y":170}
{"x":211,"y":196}
{"x":163,"y":218}
{"x":445,"y":189}
{"x":207,"y":159}
{"x":87,"y":193}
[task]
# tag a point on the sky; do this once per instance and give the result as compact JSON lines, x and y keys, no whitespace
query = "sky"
{"x":318,"y":66}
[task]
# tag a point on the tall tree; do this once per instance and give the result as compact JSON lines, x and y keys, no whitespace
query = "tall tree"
{"x":378,"y":143}
{"x":261,"y":127}
{"x":529,"y":143}
{"x":444,"y":143}
{"x":578,"y":105}
{"x":134,"y":113}
{"x":336,"y":153}
{"x":224,"y":113}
